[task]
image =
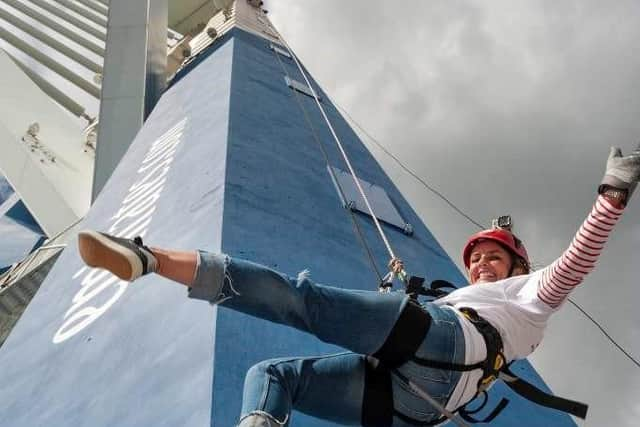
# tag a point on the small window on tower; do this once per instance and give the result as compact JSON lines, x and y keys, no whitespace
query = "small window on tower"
{"x":279,"y":50}
{"x":300,"y":87}
{"x":380,"y":202}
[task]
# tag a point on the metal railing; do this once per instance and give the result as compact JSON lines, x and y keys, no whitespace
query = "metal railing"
{"x":22,"y":268}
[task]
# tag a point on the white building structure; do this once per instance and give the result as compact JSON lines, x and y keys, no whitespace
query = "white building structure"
{"x":78,"y":79}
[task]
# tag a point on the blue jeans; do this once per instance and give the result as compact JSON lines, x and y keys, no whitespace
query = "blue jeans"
{"x":277,"y":386}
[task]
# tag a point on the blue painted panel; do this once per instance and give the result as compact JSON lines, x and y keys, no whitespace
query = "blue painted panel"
{"x":91,"y":351}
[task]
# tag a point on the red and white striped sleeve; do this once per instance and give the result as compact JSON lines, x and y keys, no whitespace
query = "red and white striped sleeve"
{"x":565,"y":273}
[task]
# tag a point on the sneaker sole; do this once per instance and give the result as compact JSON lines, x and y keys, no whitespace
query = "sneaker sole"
{"x":99,"y":251}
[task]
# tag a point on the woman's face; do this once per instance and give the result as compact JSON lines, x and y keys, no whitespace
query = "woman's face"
{"x":489,"y":262}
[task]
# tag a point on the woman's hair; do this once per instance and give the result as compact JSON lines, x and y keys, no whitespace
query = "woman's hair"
{"x":518,"y":265}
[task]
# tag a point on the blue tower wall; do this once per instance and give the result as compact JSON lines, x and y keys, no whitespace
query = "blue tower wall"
{"x":91,"y":351}
{"x":244,"y":177}
{"x":21,"y":234}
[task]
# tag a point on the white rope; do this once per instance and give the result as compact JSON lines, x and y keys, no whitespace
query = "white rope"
{"x":337,"y":140}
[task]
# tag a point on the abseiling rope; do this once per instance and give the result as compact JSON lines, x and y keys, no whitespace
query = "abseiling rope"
{"x":356,"y":180}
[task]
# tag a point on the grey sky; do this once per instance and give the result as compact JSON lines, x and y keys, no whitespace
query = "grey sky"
{"x":506,"y":107}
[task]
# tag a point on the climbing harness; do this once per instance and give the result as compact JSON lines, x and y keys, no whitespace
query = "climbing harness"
{"x":410,"y":330}
{"x":494,"y":367}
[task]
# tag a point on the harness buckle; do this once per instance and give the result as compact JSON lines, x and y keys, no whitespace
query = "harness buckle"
{"x":486,"y":381}
{"x":495,"y":360}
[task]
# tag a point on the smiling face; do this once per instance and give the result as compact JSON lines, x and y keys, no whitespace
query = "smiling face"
{"x":489,"y":262}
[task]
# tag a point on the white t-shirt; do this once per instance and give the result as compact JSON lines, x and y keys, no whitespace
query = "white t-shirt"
{"x":512,"y":306}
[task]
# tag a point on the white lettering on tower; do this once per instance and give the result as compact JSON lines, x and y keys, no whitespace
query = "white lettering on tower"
{"x":132,"y":219}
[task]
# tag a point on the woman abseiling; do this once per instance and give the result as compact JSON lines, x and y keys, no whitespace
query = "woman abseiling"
{"x":351,"y":388}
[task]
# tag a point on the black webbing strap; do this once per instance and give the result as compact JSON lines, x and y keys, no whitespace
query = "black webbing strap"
{"x":496,"y":411}
{"x":438,"y":284}
{"x":434,"y":290}
{"x":405,"y":337}
{"x":377,"y":402}
{"x":534,"y":394}
{"x":493,"y":342}
{"x":447,"y":366}
{"x":466,"y":414}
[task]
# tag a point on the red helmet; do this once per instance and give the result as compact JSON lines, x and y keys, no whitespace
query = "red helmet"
{"x":503,"y":237}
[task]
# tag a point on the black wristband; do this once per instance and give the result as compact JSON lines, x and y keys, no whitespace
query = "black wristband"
{"x":615,"y":194}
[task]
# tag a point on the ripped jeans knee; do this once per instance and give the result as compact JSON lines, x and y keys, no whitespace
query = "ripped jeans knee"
{"x":212,"y":281}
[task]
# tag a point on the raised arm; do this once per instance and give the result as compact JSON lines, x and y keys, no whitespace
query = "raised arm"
{"x":568,"y":271}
